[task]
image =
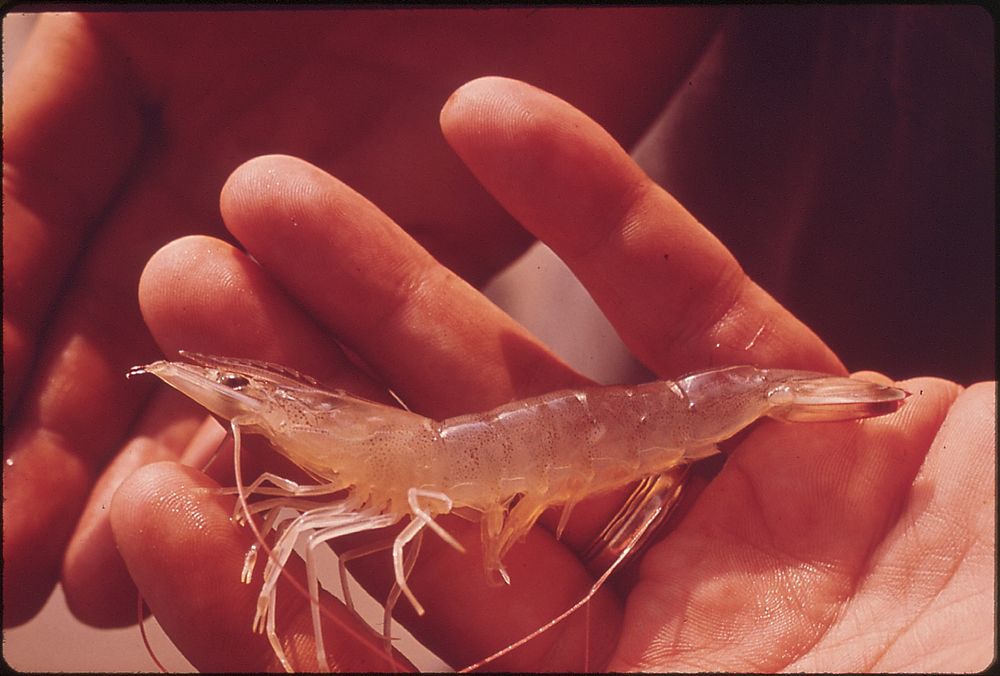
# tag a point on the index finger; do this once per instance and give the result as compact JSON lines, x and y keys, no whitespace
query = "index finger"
{"x":673,"y":291}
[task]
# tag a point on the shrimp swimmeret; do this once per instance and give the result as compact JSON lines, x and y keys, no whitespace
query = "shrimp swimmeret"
{"x":508,"y":464}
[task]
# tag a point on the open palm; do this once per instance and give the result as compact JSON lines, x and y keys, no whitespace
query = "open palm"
{"x":846,"y":546}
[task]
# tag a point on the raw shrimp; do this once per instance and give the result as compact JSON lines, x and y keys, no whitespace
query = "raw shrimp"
{"x":508,"y":464}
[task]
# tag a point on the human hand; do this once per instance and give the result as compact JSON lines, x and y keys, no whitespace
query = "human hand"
{"x":119,"y":130}
{"x":834,"y":547}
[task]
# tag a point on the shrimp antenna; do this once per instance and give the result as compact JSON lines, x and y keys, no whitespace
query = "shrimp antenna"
{"x":140,"y":607}
{"x":399,"y":400}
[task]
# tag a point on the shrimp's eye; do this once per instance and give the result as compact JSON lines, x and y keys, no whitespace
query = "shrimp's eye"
{"x":233,"y":380}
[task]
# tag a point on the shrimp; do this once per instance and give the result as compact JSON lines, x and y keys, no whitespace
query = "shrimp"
{"x":508,"y":464}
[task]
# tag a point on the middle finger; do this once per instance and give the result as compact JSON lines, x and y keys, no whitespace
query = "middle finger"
{"x":674,"y":293}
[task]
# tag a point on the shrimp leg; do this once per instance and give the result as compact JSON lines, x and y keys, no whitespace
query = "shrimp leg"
{"x":428,"y":520}
{"x":314,"y":541}
{"x":273,"y":517}
{"x":356,"y":553}
{"x":519,"y":521}
{"x":409,"y":560}
{"x":283,"y":486}
{"x":420,"y":519}
{"x":390,"y":602}
{"x":335,"y":520}
{"x":327,"y":523}
{"x":628,"y":547}
{"x":652,"y":501}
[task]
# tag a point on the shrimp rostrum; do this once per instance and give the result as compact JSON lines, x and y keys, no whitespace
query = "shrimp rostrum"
{"x":508,"y":464}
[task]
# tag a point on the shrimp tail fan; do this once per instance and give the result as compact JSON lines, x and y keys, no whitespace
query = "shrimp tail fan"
{"x":818,"y":398}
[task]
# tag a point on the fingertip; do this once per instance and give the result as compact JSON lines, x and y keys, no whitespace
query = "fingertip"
{"x":259,"y":181}
{"x":149,"y":502}
{"x":556,"y":170}
{"x":486,"y":110}
{"x":173,"y":290}
{"x":473,"y":98}
{"x":184,"y":553}
{"x":166,"y":265}
{"x":510,"y":117}
{"x":165,"y":517}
